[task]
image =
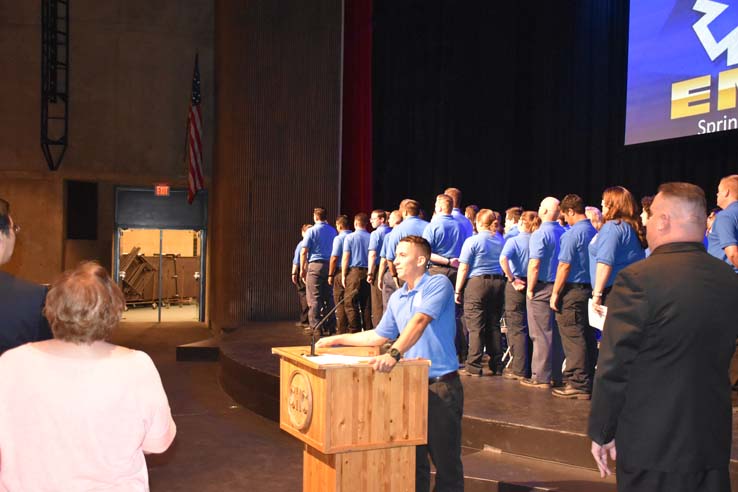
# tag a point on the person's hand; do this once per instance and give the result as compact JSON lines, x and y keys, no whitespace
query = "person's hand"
{"x":370,"y":278}
{"x":303,"y":274}
{"x":457,"y":297}
{"x":343,"y":281}
{"x":529,"y":294}
{"x":330,"y":280}
{"x":383,"y":363}
{"x":397,"y":282}
{"x":600,"y":454}
{"x":519,"y":284}
{"x":554,"y":302}
{"x":597,"y":305}
{"x":327,"y":342}
{"x":294,"y":278}
{"x":453,"y":263}
{"x":380,"y":283}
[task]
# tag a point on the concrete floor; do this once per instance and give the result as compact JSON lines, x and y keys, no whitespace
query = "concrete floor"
{"x":220,"y":446}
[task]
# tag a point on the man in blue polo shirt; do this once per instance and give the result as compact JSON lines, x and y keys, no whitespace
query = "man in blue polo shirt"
{"x":316,"y":251}
{"x":411,"y":225}
{"x":542,"y":266}
{"x":571,"y":292}
{"x":298,"y":283}
{"x":378,"y":220}
{"x":421,"y":316}
{"x":467,"y":228}
{"x":445,"y":236}
{"x":343,"y":226}
{"x":385,"y":281}
{"x":723,"y":238}
{"x":353,"y":275}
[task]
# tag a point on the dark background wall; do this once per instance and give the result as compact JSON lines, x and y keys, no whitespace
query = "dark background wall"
{"x":277,"y":150}
{"x":513,"y":101}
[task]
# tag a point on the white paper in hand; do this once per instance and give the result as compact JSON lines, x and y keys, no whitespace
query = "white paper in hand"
{"x":596,"y":320}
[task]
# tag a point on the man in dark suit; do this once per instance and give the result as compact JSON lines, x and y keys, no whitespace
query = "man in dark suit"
{"x":21,"y":302}
{"x":661,"y":389}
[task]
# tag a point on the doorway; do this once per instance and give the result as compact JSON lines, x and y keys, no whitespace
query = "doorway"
{"x":160,"y":255}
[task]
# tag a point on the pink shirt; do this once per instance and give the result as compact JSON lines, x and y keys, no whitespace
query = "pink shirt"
{"x":79,"y":424}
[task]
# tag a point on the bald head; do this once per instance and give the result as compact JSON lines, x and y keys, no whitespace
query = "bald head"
{"x":678,"y":214}
{"x":727,"y":191}
{"x":549,"y":209}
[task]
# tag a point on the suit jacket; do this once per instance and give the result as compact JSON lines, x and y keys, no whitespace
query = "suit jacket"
{"x":662,"y":388}
{"x":21,"y":320}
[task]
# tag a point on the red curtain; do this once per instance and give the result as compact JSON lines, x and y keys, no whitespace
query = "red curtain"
{"x":356,"y":162}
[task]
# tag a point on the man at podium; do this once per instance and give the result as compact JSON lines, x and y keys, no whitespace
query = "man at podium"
{"x":421,"y":317}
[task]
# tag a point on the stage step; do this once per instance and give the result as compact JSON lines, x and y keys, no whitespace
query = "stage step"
{"x":491,"y":470}
{"x":205,"y":350}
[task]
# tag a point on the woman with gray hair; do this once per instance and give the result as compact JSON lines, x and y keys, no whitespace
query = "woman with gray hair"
{"x":76,"y":412}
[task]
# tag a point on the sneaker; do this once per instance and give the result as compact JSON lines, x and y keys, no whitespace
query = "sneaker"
{"x":467,"y":372}
{"x":532,"y":383}
{"x":571,"y":393}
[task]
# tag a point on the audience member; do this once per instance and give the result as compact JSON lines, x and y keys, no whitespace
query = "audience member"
{"x":21,"y":302}
{"x":76,"y":412}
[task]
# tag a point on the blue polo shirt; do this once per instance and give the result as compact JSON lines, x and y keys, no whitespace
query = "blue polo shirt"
{"x":444,"y":235}
{"x":724,"y":233}
{"x":376,"y":239}
{"x":357,"y":244}
{"x":544,"y":246}
{"x":514,"y":231}
{"x":616,"y":245}
{"x":337,"y":249}
{"x":482,"y":253}
{"x":575,"y":250}
{"x":516,"y":250}
{"x":319,"y":241}
{"x":298,"y":249}
{"x":410,"y":226}
{"x":467,"y":228}
{"x":434,"y":296}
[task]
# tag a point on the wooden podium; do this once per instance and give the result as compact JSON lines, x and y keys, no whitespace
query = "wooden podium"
{"x":360,"y":427}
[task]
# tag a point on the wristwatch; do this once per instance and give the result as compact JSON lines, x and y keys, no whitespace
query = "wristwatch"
{"x":395,"y":354}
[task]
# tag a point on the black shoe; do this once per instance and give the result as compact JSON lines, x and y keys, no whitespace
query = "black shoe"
{"x":571,"y":393}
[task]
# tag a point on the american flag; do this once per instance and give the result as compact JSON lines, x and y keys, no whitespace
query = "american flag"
{"x":194,"y":138}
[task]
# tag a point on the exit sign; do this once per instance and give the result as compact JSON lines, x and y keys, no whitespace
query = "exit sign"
{"x":161,"y":189}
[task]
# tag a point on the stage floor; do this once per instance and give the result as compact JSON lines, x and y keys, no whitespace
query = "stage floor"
{"x":498,"y":413}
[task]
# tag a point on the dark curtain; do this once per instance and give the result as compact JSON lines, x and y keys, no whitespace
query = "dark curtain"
{"x":356,"y":160}
{"x":513,"y":101}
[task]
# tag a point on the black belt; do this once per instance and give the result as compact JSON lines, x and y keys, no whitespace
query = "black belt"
{"x":318,"y":261}
{"x":492,"y":275}
{"x":358,"y":268}
{"x":449,"y":376}
{"x":544,"y":282}
{"x":578,"y":285}
{"x":444,"y":266}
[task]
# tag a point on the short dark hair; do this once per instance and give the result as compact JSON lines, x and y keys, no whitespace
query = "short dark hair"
{"x":381,"y":214}
{"x":421,"y":243}
{"x":455,"y":195}
{"x":320,"y":213}
{"x":412,"y":208}
{"x":447,"y":203}
{"x":343,"y":221}
{"x":646,"y":202}
{"x":514,"y":213}
{"x":305,"y":227}
{"x":572,"y":202}
{"x":362,"y":219}
{"x":689,"y":193}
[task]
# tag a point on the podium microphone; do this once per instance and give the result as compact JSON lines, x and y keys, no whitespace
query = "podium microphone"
{"x":312,"y":333}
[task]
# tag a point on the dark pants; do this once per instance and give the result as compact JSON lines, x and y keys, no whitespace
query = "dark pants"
{"x":445,"y":408}
{"x":577,"y":337}
{"x":516,"y":319}
{"x":377,"y":302}
{"x":462,"y":347}
{"x":547,"y":353}
{"x":302,"y":296}
{"x":318,"y":293}
{"x":388,"y":288}
{"x":483,"y":299}
{"x":338,"y":293}
{"x":357,"y":299}
{"x":655,"y":481}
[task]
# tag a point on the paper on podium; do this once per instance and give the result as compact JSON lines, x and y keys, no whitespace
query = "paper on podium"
{"x":596,"y":320}
{"x":338,"y":359}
